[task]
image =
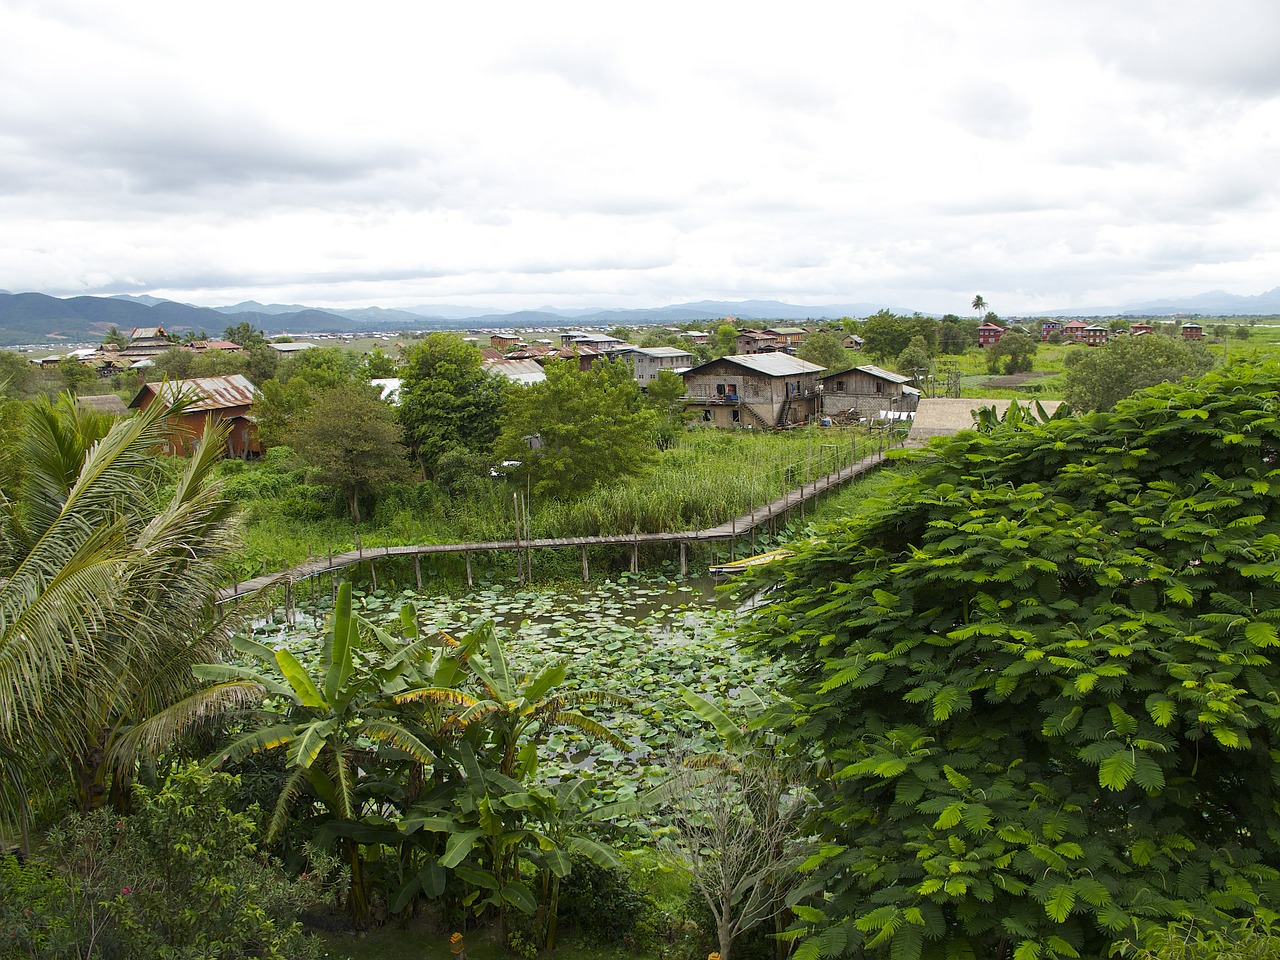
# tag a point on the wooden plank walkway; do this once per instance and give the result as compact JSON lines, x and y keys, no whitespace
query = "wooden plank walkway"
{"x":731,"y":531}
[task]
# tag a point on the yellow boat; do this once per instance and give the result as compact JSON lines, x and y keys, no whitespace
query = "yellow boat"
{"x":735,"y":567}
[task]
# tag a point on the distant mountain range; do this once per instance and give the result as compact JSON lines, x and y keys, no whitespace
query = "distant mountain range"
{"x":37,"y":318}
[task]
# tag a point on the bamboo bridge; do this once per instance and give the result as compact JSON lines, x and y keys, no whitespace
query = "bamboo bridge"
{"x":732,"y":531}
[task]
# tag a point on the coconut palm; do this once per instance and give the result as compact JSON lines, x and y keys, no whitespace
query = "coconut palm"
{"x":980,"y":307}
{"x":109,"y":571}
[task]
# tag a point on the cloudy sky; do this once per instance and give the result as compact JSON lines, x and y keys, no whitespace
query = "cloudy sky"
{"x":513,"y":154}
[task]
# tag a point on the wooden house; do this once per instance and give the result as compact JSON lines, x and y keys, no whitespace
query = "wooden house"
{"x":220,"y":399}
{"x":1074,"y":330}
{"x":1095,"y":335}
{"x":989,"y":334}
{"x":787,"y":337}
{"x":867,"y":391}
{"x":1192,"y":331}
{"x":755,"y":341}
{"x":503,"y":341}
{"x":647,"y":362}
{"x":1049,"y":327}
{"x":759,"y":390}
{"x":1141,"y":329}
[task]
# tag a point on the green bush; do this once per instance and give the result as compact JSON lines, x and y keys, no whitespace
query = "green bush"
{"x":180,"y":878}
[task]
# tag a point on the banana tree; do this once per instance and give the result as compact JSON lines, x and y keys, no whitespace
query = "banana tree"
{"x":521,"y":708}
{"x":336,"y":724}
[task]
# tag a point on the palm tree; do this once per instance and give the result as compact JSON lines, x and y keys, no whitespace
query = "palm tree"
{"x":109,"y":571}
{"x":980,"y":307}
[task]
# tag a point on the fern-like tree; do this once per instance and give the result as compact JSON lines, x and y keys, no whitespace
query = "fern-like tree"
{"x":1043,"y":668}
{"x":110,"y":564}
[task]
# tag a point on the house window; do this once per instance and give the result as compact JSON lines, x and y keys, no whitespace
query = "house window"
{"x":839,"y":386}
{"x":733,"y":391}
{"x":706,"y":416}
{"x":735,"y":416}
{"x":719,"y":389}
{"x":879,"y":387}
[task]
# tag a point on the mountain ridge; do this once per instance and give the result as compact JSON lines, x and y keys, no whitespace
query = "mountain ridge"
{"x":38,"y":318}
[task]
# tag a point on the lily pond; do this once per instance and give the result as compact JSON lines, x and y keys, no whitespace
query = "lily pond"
{"x":636,"y":636}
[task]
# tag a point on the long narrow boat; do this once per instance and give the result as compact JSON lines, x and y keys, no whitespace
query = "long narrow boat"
{"x":735,"y":567}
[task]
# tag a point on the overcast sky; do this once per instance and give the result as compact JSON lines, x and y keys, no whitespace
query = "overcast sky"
{"x":515,"y":154}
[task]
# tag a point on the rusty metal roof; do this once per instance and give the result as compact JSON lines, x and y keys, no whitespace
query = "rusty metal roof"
{"x":206,"y":393}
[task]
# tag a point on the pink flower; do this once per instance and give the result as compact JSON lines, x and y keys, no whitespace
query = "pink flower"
{"x":127,"y":890}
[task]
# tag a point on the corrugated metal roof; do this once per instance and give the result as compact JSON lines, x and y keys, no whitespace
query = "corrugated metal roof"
{"x":206,"y":393}
{"x":883,"y":374}
{"x":520,"y":371}
{"x":775,"y":364}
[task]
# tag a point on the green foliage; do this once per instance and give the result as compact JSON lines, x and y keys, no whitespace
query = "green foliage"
{"x":1099,"y":377}
{"x":987,"y":419}
{"x":348,"y":437}
{"x":592,"y":426}
{"x":244,"y":333}
{"x":886,"y":335}
{"x":16,"y":374}
{"x":1043,"y":672}
{"x":1013,"y":354}
{"x":826,"y":350}
{"x":1250,"y":939}
{"x":915,"y":358}
{"x":179,"y":878}
{"x":109,"y":566}
{"x":601,"y":904}
{"x":447,"y":400}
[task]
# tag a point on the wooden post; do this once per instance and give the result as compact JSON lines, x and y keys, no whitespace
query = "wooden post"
{"x":467,"y":555}
{"x":373,"y":574}
{"x":684,"y":558}
{"x":586,"y":572}
{"x":417,"y":571}
{"x":635,"y":557}
{"x":288,"y":602}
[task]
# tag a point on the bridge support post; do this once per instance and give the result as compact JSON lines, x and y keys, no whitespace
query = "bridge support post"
{"x":684,"y":558}
{"x":635,"y":557}
{"x":467,"y":554}
{"x":373,"y":574}
{"x":417,"y":571}
{"x":586,"y":572}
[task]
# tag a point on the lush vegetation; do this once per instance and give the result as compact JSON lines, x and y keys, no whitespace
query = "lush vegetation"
{"x":1022,"y":698}
{"x":1042,"y":673}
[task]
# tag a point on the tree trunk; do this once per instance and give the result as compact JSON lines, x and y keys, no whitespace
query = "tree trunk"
{"x":357,"y":898}
{"x":552,"y":911}
{"x":724,"y":931}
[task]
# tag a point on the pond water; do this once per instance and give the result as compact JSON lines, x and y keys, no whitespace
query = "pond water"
{"x":635,"y":637}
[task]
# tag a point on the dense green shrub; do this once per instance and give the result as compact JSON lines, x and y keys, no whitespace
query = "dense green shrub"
{"x":602,"y":905}
{"x":180,"y":878}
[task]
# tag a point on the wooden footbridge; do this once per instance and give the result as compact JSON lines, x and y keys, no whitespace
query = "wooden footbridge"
{"x":734,"y":530}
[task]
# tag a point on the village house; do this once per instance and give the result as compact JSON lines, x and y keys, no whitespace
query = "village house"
{"x":145,"y":343}
{"x":1141,"y":329}
{"x":755,"y":341}
{"x":1095,"y":335}
{"x":647,"y":362}
{"x":867,"y":392}
{"x":1192,"y":331}
{"x":853,"y":342}
{"x":787,"y":338}
{"x":217,"y":399}
{"x":1074,"y":330}
{"x":989,"y":334}
{"x":762,"y":391}
{"x":1049,"y":327}
{"x":503,"y":341}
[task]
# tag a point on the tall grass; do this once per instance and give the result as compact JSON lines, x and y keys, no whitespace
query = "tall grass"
{"x":706,"y":479}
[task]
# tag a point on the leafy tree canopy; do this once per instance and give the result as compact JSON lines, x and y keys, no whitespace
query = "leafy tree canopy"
{"x":1043,"y":669}
{"x":1097,"y":378}
{"x":349,"y":438}
{"x":1013,"y":354}
{"x":826,"y":350}
{"x":447,"y":400}
{"x":591,"y":426}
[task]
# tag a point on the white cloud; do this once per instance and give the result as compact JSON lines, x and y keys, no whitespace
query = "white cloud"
{"x":625,"y":155}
